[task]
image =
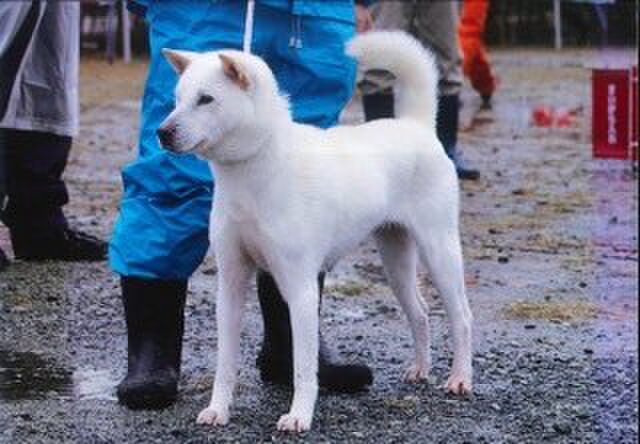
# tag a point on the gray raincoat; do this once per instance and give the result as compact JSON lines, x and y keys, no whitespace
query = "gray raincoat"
{"x":39,"y":55}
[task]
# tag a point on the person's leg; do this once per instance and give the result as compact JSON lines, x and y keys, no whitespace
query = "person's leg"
{"x":447,"y":129}
{"x":481,"y":76}
{"x":154,"y":340}
{"x":162,"y":234}
{"x":34,"y":160}
{"x":4,"y":261}
{"x":275,"y":359}
{"x":378,"y":105}
{"x":36,"y":193}
{"x":475,"y":61}
{"x":318,"y":78}
{"x":160,"y":237}
{"x":389,"y":15}
{"x":436,"y":27}
{"x":20,"y":21}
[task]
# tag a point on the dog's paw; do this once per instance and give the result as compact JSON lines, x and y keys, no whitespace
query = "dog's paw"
{"x":459,"y":384}
{"x":292,"y":422}
{"x":213,"y":416}
{"x":416,"y":373}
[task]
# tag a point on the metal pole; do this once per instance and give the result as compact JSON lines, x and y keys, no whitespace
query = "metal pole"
{"x":557,"y":23}
{"x":126,"y":34}
{"x":111,"y":33}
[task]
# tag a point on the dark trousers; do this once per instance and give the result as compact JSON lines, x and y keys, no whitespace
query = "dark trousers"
{"x":31,"y":167}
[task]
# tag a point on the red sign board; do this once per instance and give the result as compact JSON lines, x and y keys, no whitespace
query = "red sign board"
{"x":614,"y":114}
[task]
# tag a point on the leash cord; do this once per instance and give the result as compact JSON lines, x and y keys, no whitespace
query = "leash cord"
{"x":248,"y":26}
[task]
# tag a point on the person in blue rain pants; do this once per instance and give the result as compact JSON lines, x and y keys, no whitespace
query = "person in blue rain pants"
{"x":161,"y":235}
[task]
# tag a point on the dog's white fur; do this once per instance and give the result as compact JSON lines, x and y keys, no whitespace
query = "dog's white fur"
{"x":292,"y":199}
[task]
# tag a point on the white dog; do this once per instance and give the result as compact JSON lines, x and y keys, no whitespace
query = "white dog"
{"x":292,"y":199}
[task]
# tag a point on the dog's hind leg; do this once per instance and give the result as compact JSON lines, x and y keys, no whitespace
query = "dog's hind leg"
{"x":234,"y":278}
{"x":300,"y":290}
{"x":441,"y":252}
{"x":398,"y":253}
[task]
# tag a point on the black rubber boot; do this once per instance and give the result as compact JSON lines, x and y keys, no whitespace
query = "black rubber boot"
{"x":154,"y":312}
{"x":275,"y":360}
{"x":447,"y":130}
{"x":378,"y":106}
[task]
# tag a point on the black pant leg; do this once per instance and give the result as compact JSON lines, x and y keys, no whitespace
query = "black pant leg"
{"x":34,"y":164}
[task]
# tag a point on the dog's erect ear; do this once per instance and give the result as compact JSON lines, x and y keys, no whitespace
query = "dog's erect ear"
{"x":178,"y":59}
{"x":234,"y":71}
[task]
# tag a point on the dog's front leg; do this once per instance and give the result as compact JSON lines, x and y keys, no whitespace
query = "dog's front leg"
{"x":234,"y":277}
{"x":302,"y":298}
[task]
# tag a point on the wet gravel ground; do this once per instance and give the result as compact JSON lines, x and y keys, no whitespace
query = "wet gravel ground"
{"x":550,"y":240}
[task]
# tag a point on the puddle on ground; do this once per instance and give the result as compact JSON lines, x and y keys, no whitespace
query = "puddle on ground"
{"x":25,"y":375}
{"x":29,"y":376}
{"x":351,"y":314}
{"x":90,"y":384}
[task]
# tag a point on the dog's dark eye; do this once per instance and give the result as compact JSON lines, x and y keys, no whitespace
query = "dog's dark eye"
{"x":204,"y":99}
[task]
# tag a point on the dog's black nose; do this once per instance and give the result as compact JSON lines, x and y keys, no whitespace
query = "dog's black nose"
{"x":165,"y":135}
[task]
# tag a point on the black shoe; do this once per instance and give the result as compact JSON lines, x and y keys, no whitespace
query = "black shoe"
{"x":486,"y":101}
{"x":447,"y":130}
{"x":275,"y":359}
{"x":4,"y":261}
{"x":463,"y":170}
{"x":63,"y":244}
{"x":154,"y":311}
{"x":467,"y":174}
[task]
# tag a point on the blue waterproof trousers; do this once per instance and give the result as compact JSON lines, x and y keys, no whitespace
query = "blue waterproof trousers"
{"x":162,"y":229}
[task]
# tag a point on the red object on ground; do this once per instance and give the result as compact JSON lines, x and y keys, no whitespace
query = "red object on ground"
{"x":547,"y":116}
{"x":475,"y":63}
{"x":564,"y":119}
{"x":612,"y":113}
{"x":543,"y":116}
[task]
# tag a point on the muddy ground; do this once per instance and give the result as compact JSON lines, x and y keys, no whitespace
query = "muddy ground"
{"x":550,"y":240}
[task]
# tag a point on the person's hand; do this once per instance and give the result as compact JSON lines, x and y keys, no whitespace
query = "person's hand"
{"x":364,"y":19}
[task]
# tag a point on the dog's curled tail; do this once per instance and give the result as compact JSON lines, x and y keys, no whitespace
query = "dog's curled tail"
{"x":416,"y":86}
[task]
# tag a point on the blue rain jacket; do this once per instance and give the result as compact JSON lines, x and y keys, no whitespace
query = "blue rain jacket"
{"x":162,"y":229}
{"x":333,"y":9}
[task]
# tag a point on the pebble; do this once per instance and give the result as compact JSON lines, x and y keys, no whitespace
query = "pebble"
{"x":176,"y":432}
{"x":562,"y":428}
